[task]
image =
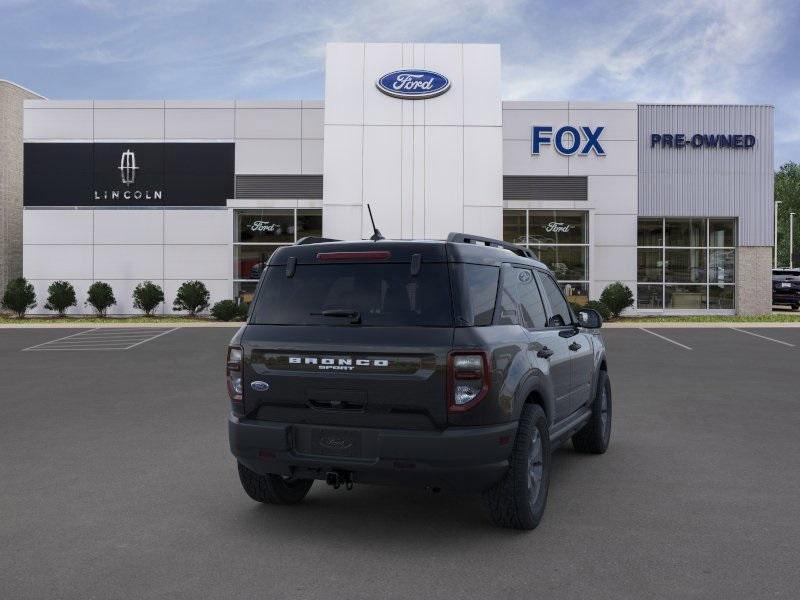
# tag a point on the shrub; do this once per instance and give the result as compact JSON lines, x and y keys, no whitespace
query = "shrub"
{"x":617,"y":297}
{"x":224,"y":310}
{"x":192,"y":296}
{"x":147,"y":296}
{"x":101,"y":297}
{"x":599,"y":307}
{"x":19,"y":297}
{"x":60,"y":296}
{"x":242,"y":310}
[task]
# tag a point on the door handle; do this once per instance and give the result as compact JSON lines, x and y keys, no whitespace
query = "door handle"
{"x":545,"y":352}
{"x":574,"y":346}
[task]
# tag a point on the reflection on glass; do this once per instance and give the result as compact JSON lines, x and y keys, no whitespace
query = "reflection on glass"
{"x":685,"y":296}
{"x":271,"y":226}
{"x":514,"y":226}
{"x":249,"y":261}
{"x":566,"y":262}
{"x":649,"y":264}
{"x":650,"y":232}
{"x":309,"y":223}
{"x":721,"y":266}
{"x":722,"y":232}
{"x":649,"y":296}
{"x":685,"y":266}
{"x":685,"y":232}
{"x":558,"y":227}
{"x":244,"y":291}
{"x":721,"y":297}
{"x":576,"y":293}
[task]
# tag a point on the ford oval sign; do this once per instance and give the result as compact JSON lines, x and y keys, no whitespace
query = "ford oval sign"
{"x":413,"y":84}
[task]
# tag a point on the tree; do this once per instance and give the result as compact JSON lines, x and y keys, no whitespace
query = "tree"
{"x":147,"y":296}
{"x":101,"y":297}
{"x":787,"y":191}
{"x":60,"y":296}
{"x":192,"y":296}
{"x":19,"y":297}
{"x":617,"y":297}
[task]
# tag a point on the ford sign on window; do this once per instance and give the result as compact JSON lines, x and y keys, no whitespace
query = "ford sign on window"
{"x":413,"y":84}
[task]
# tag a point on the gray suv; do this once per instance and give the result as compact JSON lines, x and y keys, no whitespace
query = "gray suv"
{"x":452,"y":364}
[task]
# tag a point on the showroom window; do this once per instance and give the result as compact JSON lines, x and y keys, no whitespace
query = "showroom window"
{"x":258,"y":233}
{"x":686,"y":264}
{"x":560,"y":238}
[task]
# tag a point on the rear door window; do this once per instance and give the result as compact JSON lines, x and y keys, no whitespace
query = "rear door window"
{"x":381,"y":294}
{"x":560,"y":314}
{"x":520,"y":300}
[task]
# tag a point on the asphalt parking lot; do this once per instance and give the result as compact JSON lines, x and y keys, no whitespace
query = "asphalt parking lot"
{"x":116,"y":482}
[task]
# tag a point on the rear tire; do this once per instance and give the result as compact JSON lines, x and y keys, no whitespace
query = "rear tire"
{"x":518,"y":500}
{"x":595,"y":435}
{"x":273,"y":489}
{"x":795,"y":306}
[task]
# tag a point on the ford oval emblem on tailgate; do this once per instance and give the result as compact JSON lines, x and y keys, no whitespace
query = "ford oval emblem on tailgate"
{"x":335,"y":443}
{"x":260,"y":386}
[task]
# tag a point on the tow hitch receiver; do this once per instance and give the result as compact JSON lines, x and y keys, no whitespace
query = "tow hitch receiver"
{"x":339,"y":478}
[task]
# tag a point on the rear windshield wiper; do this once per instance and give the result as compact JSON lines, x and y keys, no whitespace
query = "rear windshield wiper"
{"x":353,"y":315}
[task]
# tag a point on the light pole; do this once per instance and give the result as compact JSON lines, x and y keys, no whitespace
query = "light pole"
{"x":777,"y":202}
{"x":791,"y":238}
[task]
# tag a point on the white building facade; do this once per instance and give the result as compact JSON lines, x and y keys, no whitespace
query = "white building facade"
{"x":674,"y":201}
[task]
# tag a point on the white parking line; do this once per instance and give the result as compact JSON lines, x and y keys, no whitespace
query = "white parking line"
{"x":59,"y":339}
{"x":763,"y":337}
{"x":99,"y":339}
{"x":658,"y":335}
{"x":152,"y":338}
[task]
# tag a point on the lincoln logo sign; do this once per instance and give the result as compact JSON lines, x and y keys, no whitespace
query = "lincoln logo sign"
{"x":127,"y":167}
{"x":413,"y":84}
{"x":568,"y":140}
{"x":127,"y":173}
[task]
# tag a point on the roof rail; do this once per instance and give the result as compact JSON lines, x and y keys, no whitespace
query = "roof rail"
{"x":313,"y":240}
{"x":468,"y":238}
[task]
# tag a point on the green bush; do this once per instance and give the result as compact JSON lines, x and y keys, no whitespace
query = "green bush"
{"x":101,"y":297}
{"x":224,"y":310}
{"x":19,"y":297}
{"x":241,"y":311}
{"x":60,"y":296}
{"x":192,"y":296}
{"x":599,"y":307}
{"x":617,"y":297}
{"x":147,"y":296}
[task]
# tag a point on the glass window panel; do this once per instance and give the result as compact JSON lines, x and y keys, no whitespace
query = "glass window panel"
{"x":559,"y":227}
{"x":250,"y":261}
{"x":244,"y":291}
{"x":576,"y":293}
{"x":568,"y":263}
{"x":649,"y":296}
{"x":649,"y":263}
{"x":685,"y":296}
{"x":514,"y":227}
{"x":721,"y":266}
{"x":685,"y":266}
{"x":721,"y":296}
{"x":722,"y":232}
{"x":685,"y":232}
{"x":265,"y":226}
{"x":309,"y":223}
{"x":561,"y":314}
{"x":650,"y":232}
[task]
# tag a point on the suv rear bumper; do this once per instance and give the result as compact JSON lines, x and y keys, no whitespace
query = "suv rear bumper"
{"x":458,"y":458}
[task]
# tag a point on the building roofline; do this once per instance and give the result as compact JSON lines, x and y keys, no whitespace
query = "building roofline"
{"x":22,"y":87}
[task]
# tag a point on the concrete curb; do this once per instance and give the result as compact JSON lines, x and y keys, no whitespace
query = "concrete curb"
{"x":715,"y":325}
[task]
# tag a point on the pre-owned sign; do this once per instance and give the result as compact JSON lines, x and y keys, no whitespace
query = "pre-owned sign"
{"x":702,"y":140}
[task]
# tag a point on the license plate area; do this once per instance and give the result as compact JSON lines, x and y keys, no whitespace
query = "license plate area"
{"x":331,"y":441}
{"x":786,"y":285}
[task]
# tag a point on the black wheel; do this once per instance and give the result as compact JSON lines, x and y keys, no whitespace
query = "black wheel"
{"x":273,"y":489}
{"x":595,"y":435}
{"x":795,"y":306}
{"x":518,"y":500}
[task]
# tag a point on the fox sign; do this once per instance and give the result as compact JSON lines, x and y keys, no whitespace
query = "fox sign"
{"x":568,"y":140}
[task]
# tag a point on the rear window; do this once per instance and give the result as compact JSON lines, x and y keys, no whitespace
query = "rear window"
{"x":785,"y":273}
{"x":382,"y":295}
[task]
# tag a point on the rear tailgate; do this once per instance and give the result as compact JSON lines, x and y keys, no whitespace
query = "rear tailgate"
{"x":349,"y":376}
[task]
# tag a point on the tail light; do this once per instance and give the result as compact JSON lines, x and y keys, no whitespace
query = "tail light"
{"x":467,"y":379}
{"x":233,"y":373}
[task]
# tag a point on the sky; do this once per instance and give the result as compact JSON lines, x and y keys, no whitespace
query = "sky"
{"x":713,"y":51}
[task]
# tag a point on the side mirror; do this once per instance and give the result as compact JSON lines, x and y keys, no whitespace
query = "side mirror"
{"x":589,"y":318}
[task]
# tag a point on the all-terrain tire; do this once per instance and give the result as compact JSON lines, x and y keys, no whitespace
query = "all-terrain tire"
{"x":517,"y":501}
{"x":273,"y":489}
{"x":595,"y":435}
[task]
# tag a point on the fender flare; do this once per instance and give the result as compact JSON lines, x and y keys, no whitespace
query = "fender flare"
{"x":535,"y":382}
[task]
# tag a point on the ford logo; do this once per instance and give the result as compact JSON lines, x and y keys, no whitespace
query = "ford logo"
{"x":259,"y":386}
{"x":413,"y":84}
{"x":335,"y":443}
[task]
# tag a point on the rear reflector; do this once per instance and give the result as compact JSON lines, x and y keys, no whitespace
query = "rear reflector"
{"x":367,"y":255}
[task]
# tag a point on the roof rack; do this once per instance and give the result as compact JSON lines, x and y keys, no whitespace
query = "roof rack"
{"x":313,"y":240}
{"x":467,"y":238}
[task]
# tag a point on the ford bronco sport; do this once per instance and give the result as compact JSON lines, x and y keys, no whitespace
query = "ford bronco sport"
{"x":452,"y":364}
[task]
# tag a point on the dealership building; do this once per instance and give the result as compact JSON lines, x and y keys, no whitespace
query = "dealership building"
{"x":674,"y":200}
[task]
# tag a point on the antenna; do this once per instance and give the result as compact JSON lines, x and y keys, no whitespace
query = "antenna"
{"x":377,"y":236}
